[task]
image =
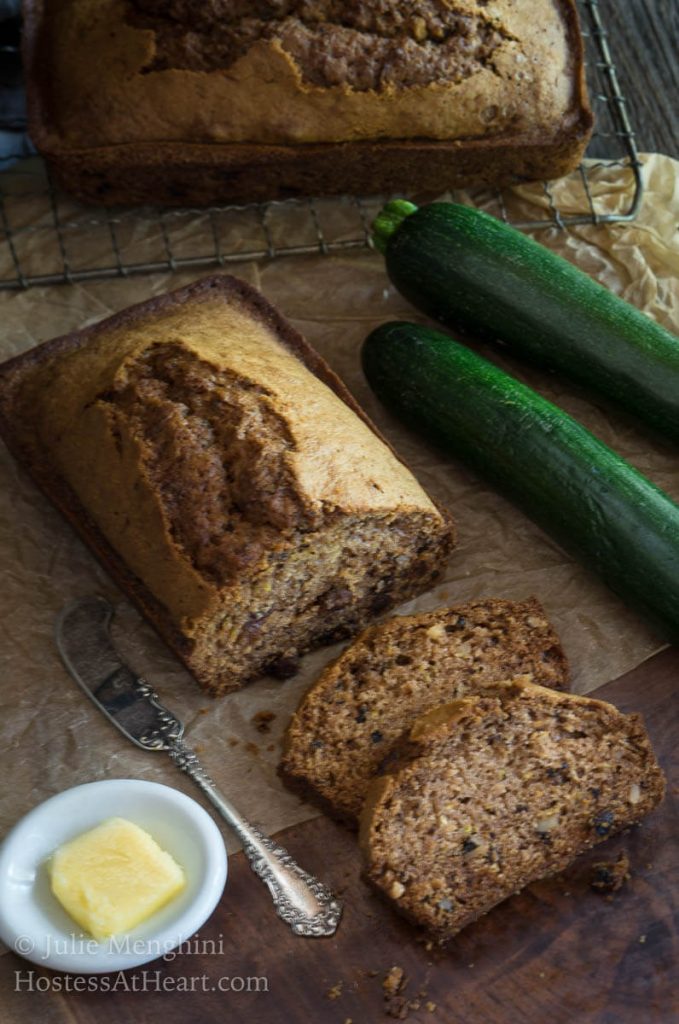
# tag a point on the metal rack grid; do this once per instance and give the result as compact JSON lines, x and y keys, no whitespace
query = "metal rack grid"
{"x":48,"y":238}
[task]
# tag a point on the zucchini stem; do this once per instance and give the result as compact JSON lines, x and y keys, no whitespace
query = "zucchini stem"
{"x":389,"y":219}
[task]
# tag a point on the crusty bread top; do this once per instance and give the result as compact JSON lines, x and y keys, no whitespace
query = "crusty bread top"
{"x":437,"y":721}
{"x":92,"y":82}
{"x":318,"y":458}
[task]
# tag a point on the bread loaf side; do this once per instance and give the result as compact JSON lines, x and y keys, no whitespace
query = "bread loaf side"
{"x":254,"y":509}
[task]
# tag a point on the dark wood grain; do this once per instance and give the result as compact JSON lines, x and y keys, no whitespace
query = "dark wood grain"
{"x":557,"y":953}
{"x":644,"y":39}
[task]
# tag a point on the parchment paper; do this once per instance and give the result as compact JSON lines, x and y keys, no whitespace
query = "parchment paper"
{"x":52,"y":738}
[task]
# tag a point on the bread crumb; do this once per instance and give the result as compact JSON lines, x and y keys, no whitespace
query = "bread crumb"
{"x":394,"y":981}
{"x":262,"y":720}
{"x":430,"y":1007}
{"x":397,"y":1005}
{"x":642,"y":939}
{"x":609,"y":876}
{"x":335,"y":992}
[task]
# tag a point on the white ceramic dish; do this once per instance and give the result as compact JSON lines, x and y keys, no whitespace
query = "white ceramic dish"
{"x":33,"y":923}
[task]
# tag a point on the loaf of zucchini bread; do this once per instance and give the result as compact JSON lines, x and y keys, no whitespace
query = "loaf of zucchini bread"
{"x":493,"y":792}
{"x":225,"y":476}
{"x":169,"y":101}
{"x":349,"y":721}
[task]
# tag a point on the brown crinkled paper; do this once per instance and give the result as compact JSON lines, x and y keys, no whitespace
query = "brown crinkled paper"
{"x":53,"y":738}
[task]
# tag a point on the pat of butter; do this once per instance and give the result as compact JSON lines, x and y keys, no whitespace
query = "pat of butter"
{"x":113,"y":877}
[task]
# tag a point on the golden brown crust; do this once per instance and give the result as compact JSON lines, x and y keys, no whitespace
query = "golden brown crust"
{"x":96,"y":49}
{"x":336,"y":139}
{"x":64,"y":413}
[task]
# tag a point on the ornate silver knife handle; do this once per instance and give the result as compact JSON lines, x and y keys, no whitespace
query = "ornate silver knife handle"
{"x":301,"y":900}
{"x":84,"y":642}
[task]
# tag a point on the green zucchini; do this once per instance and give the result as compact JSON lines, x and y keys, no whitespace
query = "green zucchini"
{"x":594,"y":503}
{"x":475,"y":273}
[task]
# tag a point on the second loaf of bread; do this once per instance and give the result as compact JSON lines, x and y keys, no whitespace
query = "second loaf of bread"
{"x":176,"y":102}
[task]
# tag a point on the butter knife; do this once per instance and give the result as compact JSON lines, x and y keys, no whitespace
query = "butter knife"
{"x":129,"y":702}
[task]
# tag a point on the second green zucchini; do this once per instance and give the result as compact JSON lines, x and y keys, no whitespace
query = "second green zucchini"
{"x":586,"y":496}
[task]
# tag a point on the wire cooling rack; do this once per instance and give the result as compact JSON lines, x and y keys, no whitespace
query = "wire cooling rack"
{"x":48,"y":238}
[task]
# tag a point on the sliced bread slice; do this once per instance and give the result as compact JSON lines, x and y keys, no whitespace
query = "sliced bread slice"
{"x":493,"y":792}
{"x":361,"y":705}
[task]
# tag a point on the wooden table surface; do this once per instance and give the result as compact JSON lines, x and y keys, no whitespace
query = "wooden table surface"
{"x":556,"y":953}
{"x":644,"y":39}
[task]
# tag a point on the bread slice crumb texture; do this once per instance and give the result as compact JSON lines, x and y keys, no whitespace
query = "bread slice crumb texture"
{"x":348,"y":722}
{"x":491,"y":793}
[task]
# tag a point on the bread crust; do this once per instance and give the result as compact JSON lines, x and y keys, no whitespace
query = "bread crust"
{"x":332,"y":140}
{"x":25,"y":445}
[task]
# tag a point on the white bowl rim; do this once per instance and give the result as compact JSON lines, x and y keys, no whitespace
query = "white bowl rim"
{"x":85,"y":955}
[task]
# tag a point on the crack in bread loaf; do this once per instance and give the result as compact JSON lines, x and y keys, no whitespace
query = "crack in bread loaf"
{"x":214,"y":447}
{"x":225,"y":476}
{"x":311,"y":71}
{"x":365,"y":46}
{"x":349,"y":721}
{"x":491,"y":793}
